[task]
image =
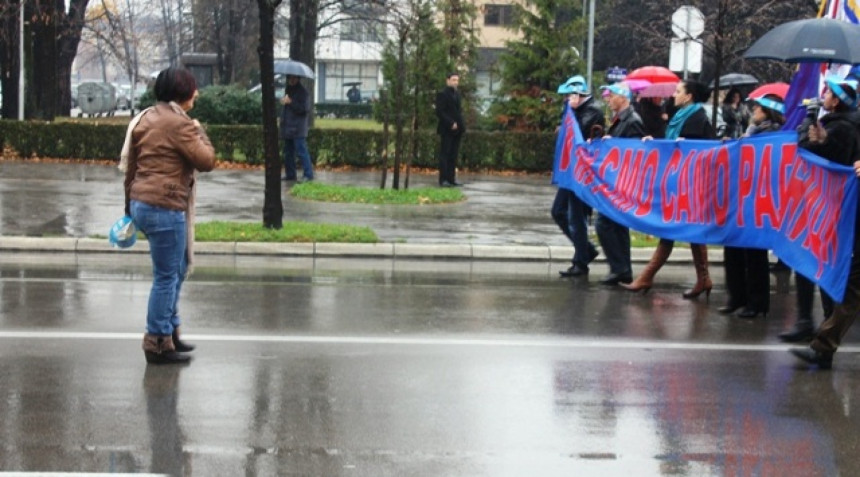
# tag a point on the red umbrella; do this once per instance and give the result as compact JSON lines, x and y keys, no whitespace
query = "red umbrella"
{"x":654,"y":74}
{"x":779,"y":89}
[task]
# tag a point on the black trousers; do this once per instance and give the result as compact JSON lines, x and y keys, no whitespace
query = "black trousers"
{"x":448,"y":153}
{"x":747,"y":278}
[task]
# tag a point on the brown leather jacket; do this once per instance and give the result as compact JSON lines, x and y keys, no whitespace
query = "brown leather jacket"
{"x":166,"y":148}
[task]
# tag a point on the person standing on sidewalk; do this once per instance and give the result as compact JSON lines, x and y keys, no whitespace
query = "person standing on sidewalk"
{"x":294,"y":129}
{"x":165,"y":149}
{"x":449,"y":111}
{"x":690,"y":122}
{"x":835,"y":137}
{"x":614,"y":237}
{"x":568,"y":210}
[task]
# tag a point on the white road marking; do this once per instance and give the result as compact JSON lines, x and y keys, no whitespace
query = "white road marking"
{"x":572,"y":343}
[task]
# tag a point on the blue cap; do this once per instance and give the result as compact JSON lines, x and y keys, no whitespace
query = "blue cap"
{"x":123,"y":234}
{"x":620,"y":89}
{"x":840,"y":86}
{"x":770,"y":104}
{"x":574,"y":85}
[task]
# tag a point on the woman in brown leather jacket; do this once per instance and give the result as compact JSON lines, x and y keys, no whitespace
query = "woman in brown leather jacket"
{"x":166,"y":149}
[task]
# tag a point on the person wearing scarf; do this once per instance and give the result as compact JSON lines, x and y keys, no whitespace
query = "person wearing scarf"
{"x":165,"y":149}
{"x":747,"y":269}
{"x":689,"y":122}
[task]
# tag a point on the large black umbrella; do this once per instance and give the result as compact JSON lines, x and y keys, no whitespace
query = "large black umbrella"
{"x":816,"y":40}
{"x":293,"y":68}
{"x":736,"y":79}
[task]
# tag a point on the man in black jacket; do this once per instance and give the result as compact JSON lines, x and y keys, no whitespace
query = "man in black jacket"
{"x":451,"y":128}
{"x":614,"y":237}
{"x":568,"y":210}
{"x":835,"y":137}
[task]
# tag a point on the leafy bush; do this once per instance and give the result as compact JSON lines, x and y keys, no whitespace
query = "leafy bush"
{"x":480,"y":150}
{"x":344,"y":110}
{"x":227,"y":105}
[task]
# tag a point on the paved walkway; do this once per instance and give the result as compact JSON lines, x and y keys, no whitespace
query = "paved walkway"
{"x":58,"y":207}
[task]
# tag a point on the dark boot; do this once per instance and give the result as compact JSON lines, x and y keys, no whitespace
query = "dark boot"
{"x":803,"y":330}
{"x":703,"y":279}
{"x":181,"y":346}
{"x":159,"y":350}
{"x":804,"y":327}
{"x":646,"y":279}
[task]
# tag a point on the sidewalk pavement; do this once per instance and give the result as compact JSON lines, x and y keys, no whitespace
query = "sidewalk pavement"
{"x":60,"y":207}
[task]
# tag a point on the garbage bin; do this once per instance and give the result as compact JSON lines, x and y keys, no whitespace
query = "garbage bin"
{"x":97,"y":98}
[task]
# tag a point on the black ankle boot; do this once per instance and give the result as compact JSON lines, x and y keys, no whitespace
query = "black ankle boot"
{"x":802,"y":331}
{"x":181,"y":346}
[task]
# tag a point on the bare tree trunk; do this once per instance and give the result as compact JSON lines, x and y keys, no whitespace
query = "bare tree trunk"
{"x":399,"y":115}
{"x":9,"y":63}
{"x":273,"y":209}
{"x":304,"y":15}
{"x":386,"y":120}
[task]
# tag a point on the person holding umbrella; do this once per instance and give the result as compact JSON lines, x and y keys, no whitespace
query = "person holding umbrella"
{"x":690,"y":122}
{"x":294,"y":129}
{"x":835,"y":137}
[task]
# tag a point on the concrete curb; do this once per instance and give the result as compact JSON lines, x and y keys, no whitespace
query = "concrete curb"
{"x":403,"y":251}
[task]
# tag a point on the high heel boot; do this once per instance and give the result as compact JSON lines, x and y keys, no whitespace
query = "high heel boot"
{"x":703,"y":279}
{"x":646,"y":279}
{"x":159,"y":350}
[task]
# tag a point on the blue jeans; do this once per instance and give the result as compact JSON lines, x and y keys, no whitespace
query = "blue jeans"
{"x":297,"y":147}
{"x":165,"y":230}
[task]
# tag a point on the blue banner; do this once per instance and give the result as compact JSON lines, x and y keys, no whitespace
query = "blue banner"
{"x":759,"y":192}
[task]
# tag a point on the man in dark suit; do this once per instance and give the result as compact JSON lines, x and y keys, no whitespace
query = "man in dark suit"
{"x":451,"y":128}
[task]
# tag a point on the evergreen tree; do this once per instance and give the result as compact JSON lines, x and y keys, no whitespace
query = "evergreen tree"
{"x":544,"y":56}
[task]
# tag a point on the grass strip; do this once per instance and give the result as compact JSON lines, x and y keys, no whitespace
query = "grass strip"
{"x":217,"y":231}
{"x":364,"y":195}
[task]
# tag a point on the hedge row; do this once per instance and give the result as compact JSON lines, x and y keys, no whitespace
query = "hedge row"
{"x":329,"y":147}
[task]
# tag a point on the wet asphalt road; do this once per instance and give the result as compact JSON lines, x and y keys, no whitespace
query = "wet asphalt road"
{"x":337,"y":367}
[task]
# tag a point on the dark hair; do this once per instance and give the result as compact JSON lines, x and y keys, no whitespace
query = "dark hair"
{"x":174,"y":84}
{"x":731,"y":94}
{"x":452,"y":74}
{"x":771,"y":114}
{"x":700,"y":91}
{"x":848,"y":90}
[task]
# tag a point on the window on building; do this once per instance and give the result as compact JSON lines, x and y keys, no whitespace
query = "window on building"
{"x":498,"y":15}
{"x":339,"y":78}
{"x":362,"y":31}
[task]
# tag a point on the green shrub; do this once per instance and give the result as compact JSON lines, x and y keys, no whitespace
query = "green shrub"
{"x":227,"y":105}
{"x":344,"y":110}
{"x":480,"y":150}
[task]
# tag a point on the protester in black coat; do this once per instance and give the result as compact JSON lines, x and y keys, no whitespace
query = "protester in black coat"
{"x":835,"y":137}
{"x":568,"y":210}
{"x":614,"y":237}
{"x":747,"y":269}
{"x":450,"y":128}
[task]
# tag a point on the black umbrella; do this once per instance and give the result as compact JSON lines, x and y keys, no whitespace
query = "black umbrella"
{"x":816,"y":40}
{"x":736,"y":79}
{"x":293,"y":68}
